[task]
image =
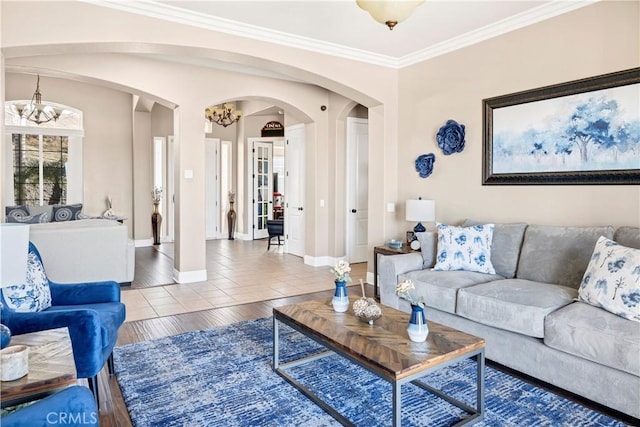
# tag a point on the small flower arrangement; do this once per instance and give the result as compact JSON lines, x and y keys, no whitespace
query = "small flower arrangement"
{"x":232,"y":196}
{"x":156,"y":194}
{"x":402,"y":290}
{"x":341,"y":271}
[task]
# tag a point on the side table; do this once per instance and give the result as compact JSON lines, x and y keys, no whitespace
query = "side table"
{"x":385,"y":250}
{"x":51,"y":367}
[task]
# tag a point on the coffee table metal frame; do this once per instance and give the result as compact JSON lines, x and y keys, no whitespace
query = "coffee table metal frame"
{"x":475,"y":414}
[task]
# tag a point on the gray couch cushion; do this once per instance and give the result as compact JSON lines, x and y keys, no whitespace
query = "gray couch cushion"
{"x":628,"y":236}
{"x":513,"y":304}
{"x":428,"y":247}
{"x":439,"y":288}
{"x":558,"y":255}
{"x":595,"y":334}
{"x":505,"y":248}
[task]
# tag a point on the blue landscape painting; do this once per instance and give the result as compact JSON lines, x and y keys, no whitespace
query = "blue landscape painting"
{"x":592,"y":131}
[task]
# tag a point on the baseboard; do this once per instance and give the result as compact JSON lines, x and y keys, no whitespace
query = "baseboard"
{"x":189,"y":276}
{"x":321,"y":260}
{"x":143,"y":243}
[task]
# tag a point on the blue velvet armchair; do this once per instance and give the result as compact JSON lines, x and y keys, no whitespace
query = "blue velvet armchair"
{"x":92,"y":312}
{"x":73,"y":406}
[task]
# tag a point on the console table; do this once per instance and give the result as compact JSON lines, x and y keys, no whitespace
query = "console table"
{"x":51,"y":367}
{"x":385,"y":250}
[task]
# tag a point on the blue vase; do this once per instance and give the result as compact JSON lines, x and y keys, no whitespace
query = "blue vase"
{"x":340,"y":298}
{"x":418,"y":328}
{"x":5,"y":336}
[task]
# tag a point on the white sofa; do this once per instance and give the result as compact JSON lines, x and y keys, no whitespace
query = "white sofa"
{"x":88,"y":250}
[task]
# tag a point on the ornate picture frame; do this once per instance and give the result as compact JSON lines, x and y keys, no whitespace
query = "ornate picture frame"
{"x":582,"y":132}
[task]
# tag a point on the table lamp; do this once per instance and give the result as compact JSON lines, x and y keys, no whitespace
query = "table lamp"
{"x":420,"y":210}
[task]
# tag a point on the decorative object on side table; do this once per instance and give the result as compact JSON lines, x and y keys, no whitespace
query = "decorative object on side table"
{"x":156,"y":218}
{"x":395,"y":244}
{"x":450,"y":137}
{"x":365,"y":308}
{"x":109,"y":211}
{"x":417,"y":328}
{"x":424,"y":164}
{"x":340,"y":298}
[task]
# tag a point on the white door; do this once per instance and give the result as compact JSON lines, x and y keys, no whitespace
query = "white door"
{"x":262,"y":187}
{"x":357,"y":188}
{"x":294,"y":218}
{"x":211,"y":188}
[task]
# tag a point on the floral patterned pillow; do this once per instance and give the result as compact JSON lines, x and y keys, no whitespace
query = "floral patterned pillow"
{"x":32,"y":296}
{"x":465,"y":248}
{"x":612,"y":279}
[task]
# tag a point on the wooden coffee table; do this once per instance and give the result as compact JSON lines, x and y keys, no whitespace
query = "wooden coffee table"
{"x":51,"y":367}
{"x":383,"y":348}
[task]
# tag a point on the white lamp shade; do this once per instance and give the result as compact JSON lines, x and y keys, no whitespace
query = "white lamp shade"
{"x":14,"y":248}
{"x":420,"y":210}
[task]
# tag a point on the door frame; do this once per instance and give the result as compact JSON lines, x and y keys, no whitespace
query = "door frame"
{"x":250,"y":185}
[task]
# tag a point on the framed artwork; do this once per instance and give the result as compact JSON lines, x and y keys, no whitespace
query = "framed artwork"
{"x":411,"y":237}
{"x":582,"y":132}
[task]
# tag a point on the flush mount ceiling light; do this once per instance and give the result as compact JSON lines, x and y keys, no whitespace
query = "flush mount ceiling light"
{"x":389,"y":12}
{"x":36,"y":111}
{"x":225,"y":116}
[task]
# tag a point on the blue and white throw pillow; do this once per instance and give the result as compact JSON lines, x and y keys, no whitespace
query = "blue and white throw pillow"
{"x":32,"y":296}
{"x":465,"y":248}
{"x":30,"y":219}
{"x":63,"y":213}
{"x":612,"y":279}
{"x":14,"y":213}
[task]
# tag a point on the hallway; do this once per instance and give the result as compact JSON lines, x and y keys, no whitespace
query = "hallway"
{"x":238,"y":272}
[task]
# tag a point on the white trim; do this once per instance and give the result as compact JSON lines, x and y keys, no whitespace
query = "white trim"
{"x":143,"y":243}
{"x":322,"y":260}
{"x":196,"y":19}
{"x":521,"y":20}
{"x":189,"y":276}
{"x":370,"y":279}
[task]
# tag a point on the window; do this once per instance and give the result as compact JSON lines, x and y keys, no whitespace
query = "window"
{"x":39,"y":169}
{"x":46,"y":160}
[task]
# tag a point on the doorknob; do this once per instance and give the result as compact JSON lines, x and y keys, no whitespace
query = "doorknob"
{"x":300,"y":208}
{"x":353,"y":211}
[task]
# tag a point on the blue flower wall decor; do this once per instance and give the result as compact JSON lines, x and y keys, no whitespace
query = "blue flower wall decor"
{"x":450,"y":137}
{"x":424,"y":164}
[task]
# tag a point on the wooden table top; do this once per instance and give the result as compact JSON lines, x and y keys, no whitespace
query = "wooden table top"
{"x":384,"y":346}
{"x":51,"y":366}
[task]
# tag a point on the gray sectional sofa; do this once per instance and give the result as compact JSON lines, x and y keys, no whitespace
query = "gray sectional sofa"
{"x":528,"y":313}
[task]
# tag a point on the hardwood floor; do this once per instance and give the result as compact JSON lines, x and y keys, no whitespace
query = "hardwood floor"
{"x":236,"y":267}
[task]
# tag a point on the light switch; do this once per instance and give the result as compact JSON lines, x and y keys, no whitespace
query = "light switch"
{"x":391,"y":207}
{"x":322,"y":203}
{"x":188,"y":174}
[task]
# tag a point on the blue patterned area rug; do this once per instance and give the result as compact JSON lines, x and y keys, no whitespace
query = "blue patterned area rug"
{"x":223,"y":377}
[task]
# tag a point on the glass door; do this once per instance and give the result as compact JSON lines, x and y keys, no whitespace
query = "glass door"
{"x":262,"y":187}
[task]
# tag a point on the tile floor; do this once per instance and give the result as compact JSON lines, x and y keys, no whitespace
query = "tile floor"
{"x":238,"y":272}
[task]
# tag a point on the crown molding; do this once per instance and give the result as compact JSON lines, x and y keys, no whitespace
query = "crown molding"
{"x":170,"y":13}
{"x":521,"y":20}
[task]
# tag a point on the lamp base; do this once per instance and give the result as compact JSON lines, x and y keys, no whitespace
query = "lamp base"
{"x":419,"y":228}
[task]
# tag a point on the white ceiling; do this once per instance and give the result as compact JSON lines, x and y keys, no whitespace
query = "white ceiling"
{"x":341,"y":28}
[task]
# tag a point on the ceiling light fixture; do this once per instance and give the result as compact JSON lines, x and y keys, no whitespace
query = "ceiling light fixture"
{"x":225,"y":116}
{"x":389,"y":12}
{"x":36,"y":111}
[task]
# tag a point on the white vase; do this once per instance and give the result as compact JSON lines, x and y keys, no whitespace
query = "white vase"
{"x":418,"y":328}
{"x":340,"y":298}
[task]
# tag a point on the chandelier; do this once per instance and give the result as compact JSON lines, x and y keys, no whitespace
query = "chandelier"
{"x":36,"y":111}
{"x":224,"y":116}
{"x":389,"y":12}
